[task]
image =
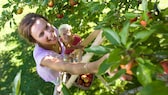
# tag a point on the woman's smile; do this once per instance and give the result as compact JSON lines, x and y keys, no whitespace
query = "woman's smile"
{"x":43,"y":32}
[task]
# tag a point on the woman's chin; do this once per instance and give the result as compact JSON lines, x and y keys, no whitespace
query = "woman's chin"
{"x":54,"y":41}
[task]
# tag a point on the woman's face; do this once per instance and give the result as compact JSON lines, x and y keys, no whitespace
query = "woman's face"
{"x":43,"y":33}
{"x":66,"y":36}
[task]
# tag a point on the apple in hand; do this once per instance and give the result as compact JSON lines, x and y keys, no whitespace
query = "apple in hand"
{"x":85,"y":78}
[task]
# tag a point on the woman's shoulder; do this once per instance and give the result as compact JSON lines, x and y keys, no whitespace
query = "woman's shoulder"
{"x":39,"y":50}
{"x":77,"y":37}
{"x":40,"y":53}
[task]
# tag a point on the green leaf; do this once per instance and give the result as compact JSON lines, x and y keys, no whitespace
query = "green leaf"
{"x":112,"y":36}
{"x":128,"y":44}
{"x":130,"y":15}
{"x":140,"y":60}
{"x":97,"y":50}
{"x":115,"y":58}
{"x":124,"y":33}
{"x":143,"y":35}
{"x":17,"y":83}
{"x":117,"y":75}
{"x":6,"y":5}
{"x":94,"y":7}
{"x":143,"y":50}
{"x":165,"y":12}
{"x":45,"y":2}
{"x":144,"y":5}
{"x":155,"y":88}
{"x":112,"y":61}
{"x":65,"y":90}
{"x":143,"y":73}
{"x":103,"y":67}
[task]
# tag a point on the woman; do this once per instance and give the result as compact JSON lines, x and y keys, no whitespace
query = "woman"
{"x":49,"y":50}
{"x":74,"y":51}
{"x":71,"y":42}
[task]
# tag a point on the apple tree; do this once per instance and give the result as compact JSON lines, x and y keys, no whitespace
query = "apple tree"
{"x":135,"y":34}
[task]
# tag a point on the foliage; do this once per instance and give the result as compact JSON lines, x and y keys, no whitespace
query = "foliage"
{"x":20,"y":58}
{"x":135,"y":33}
{"x":16,"y":84}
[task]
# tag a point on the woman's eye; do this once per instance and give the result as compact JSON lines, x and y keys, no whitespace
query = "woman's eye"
{"x":41,"y":34}
{"x":46,"y":27}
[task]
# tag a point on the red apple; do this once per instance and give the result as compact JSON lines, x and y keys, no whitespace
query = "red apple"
{"x":60,"y":16}
{"x":83,"y":76}
{"x":79,"y":81}
{"x":20,"y":10}
{"x":86,"y":80}
{"x":73,"y":3}
{"x":143,"y":23}
{"x":51,"y":3}
{"x":90,"y":75}
{"x":87,"y":84}
{"x":164,"y":65}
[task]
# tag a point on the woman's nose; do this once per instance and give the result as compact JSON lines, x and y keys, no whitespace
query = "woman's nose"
{"x":51,"y":29}
{"x":50,"y":32}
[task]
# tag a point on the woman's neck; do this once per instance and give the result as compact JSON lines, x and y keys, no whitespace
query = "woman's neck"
{"x":55,"y":47}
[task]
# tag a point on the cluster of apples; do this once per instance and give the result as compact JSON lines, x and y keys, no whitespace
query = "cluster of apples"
{"x":84,"y":81}
{"x":61,"y":15}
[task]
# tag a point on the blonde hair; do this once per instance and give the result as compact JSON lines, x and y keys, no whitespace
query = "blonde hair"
{"x":64,"y":27}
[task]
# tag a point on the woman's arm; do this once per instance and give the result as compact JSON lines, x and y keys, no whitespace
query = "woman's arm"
{"x":72,"y":68}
